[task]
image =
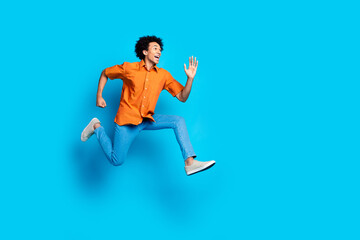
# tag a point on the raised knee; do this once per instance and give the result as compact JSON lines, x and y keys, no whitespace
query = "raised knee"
{"x":116,"y":161}
{"x":179,"y":120}
{"x":116,"y":164}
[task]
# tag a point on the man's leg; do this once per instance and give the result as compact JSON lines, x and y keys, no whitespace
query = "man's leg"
{"x":176,"y":123}
{"x":123,"y":137}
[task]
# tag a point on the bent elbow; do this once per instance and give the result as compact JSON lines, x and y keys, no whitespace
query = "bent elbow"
{"x":103,"y":73}
{"x":183,"y":100}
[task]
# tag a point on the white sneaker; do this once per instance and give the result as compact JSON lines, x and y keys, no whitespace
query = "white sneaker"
{"x":89,"y":130}
{"x":198,"y":166}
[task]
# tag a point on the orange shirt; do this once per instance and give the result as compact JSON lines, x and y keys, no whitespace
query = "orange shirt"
{"x":141,"y":90}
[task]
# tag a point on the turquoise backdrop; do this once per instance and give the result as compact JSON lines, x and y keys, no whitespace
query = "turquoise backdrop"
{"x":275,"y":102}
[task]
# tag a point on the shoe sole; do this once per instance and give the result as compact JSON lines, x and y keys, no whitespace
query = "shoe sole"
{"x":201,"y":169}
{"x":85,"y":138}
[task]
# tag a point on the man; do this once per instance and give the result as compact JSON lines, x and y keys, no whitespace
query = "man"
{"x":142,"y":83}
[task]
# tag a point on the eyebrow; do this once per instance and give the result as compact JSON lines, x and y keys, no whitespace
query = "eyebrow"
{"x":157,"y":46}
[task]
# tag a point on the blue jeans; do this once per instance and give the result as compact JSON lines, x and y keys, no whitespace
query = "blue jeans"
{"x":125,"y":135}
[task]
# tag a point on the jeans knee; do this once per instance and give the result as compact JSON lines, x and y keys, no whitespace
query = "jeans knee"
{"x":179,"y":121}
{"x":117,"y":161}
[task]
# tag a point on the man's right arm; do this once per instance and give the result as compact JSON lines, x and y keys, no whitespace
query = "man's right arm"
{"x":100,"y":102}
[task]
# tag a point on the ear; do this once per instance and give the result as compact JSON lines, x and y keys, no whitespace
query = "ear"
{"x":145,"y":52}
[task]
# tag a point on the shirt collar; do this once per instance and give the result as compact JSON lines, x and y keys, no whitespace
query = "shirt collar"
{"x":142,"y":64}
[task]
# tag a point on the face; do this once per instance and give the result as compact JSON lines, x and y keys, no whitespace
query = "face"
{"x":153,"y":53}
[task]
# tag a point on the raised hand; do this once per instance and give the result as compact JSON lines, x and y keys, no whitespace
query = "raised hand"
{"x":191,"y":71}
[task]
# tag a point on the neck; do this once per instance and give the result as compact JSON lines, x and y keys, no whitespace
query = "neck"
{"x":149,"y":64}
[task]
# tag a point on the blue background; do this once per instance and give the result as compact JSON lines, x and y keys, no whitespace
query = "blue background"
{"x":275,"y":102}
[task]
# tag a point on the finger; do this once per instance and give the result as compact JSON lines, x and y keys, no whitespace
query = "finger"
{"x":184,"y":66}
{"x":189,"y":61}
{"x":192,"y":60}
{"x":195,"y":62}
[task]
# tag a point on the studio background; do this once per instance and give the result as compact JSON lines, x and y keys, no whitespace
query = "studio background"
{"x":275,"y":102}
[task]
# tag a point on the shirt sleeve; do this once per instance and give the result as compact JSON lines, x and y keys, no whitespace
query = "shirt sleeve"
{"x":114,"y":72}
{"x":172,"y":86}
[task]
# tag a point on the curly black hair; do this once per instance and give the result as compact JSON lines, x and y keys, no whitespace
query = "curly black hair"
{"x":143,"y":44}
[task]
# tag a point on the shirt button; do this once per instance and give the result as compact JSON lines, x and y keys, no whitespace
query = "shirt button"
{"x":145,"y":88}
{"x":144,"y":96}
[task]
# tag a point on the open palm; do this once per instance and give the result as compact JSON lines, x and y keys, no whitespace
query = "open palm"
{"x":191,"y":71}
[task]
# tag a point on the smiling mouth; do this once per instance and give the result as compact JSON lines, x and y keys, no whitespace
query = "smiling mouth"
{"x":157,"y":57}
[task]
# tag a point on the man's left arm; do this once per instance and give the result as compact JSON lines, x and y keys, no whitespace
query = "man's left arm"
{"x":190,"y":73}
